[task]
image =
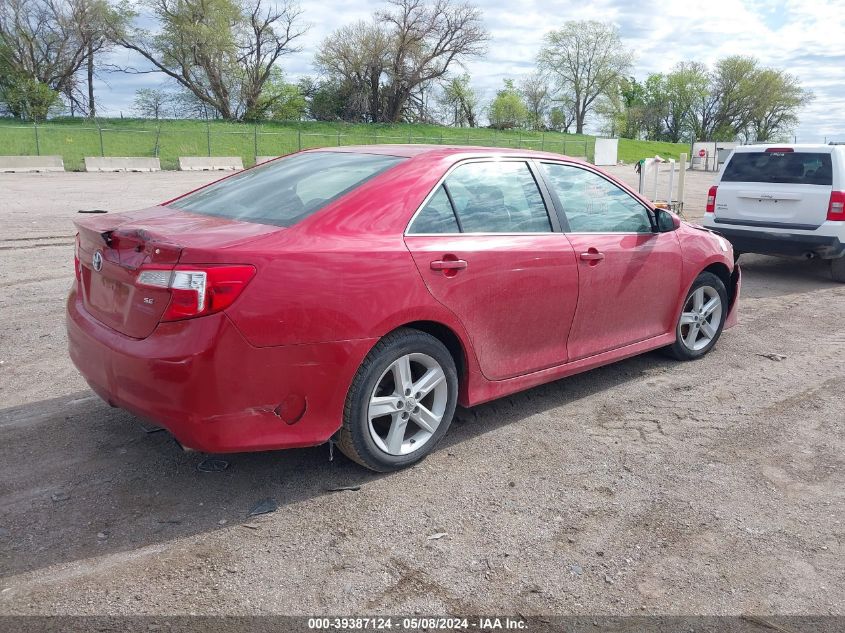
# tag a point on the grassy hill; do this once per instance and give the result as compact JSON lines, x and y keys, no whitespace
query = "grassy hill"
{"x":74,"y":139}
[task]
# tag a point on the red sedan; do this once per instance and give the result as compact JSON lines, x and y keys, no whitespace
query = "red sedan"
{"x":359,"y":294}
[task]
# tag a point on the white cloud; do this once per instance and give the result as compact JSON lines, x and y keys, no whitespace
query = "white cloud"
{"x":804,"y":37}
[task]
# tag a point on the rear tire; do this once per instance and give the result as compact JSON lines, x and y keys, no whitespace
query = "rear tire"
{"x":400,"y":403}
{"x":702,"y":318}
{"x":837,"y":269}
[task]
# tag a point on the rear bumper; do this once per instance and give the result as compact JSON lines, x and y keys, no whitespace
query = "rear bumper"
{"x":786,"y":244}
{"x":216,"y":393}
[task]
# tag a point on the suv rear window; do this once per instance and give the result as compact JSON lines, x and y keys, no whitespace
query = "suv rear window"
{"x":286,"y":191}
{"x":794,"y":168}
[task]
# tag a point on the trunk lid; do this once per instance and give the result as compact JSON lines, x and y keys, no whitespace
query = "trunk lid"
{"x":113,"y":248}
{"x":789,"y":189}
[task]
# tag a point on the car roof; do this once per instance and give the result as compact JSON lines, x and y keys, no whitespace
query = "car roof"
{"x":799,"y":147}
{"x":442,"y":151}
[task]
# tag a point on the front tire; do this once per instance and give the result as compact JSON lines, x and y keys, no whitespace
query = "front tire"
{"x":837,"y":269}
{"x":702,"y":318}
{"x":400,"y":403}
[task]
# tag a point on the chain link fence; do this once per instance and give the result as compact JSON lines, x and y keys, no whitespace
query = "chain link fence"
{"x":74,"y":143}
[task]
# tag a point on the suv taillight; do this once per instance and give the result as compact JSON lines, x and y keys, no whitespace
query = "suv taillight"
{"x":711,"y":200}
{"x":836,"y":208}
{"x":197,"y":290}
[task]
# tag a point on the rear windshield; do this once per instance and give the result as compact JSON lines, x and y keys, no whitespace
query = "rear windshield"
{"x":795,"y":168}
{"x":286,"y":191}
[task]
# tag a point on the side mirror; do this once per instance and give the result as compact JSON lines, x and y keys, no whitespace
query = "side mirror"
{"x":666,"y":221}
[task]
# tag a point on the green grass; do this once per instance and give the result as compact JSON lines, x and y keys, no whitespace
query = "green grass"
{"x":74,"y":139}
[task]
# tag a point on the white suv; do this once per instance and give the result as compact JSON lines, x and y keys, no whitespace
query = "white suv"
{"x":782,"y":200}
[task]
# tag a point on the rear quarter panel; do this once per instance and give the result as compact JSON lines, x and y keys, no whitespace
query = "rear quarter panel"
{"x":344,"y":273}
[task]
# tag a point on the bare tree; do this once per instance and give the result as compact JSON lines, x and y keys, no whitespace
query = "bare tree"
{"x":153,"y":103}
{"x":357,"y":54}
{"x":50,"y":41}
{"x":40,"y":42}
{"x":535,"y":91}
{"x":221,"y":51}
{"x":586,"y":59}
{"x":405,"y":48}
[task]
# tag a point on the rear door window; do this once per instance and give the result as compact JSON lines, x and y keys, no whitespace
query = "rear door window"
{"x":286,"y":191}
{"x":794,"y":168}
{"x":498,"y":197}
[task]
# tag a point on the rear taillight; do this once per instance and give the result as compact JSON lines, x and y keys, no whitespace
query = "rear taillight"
{"x":197,"y":290}
{"x":711,"y":200}
{"x":779,"y":150}
{"x":836,"y":208}
{"x":77,"y":267}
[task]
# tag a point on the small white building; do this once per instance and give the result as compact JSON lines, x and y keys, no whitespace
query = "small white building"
{"x":711,"y":155}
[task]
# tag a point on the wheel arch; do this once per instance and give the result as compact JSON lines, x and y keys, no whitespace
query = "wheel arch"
{"x":721,"y":270}
{"x":448,"y":337}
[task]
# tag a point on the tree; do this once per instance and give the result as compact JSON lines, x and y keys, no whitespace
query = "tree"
{"x":777,"y":97}
{"x":625,"y":110}
{"x":49,"y":42}
{"x":561,"y":118}
{"x":535,"y":91}
{"x":26,"y":98}
{"x":460,"y":101}
{"x":94,"y":20}
{"x":586,"y":59}
{"x":152,"y":103}
{"x":507,"y":110}
{"x":221,"y":51}
{"x":285,"y":101}
{"x":686,"y":85}
{"x":388,"y":63}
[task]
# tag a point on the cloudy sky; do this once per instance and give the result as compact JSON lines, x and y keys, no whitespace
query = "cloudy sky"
{"x":805,"y":37}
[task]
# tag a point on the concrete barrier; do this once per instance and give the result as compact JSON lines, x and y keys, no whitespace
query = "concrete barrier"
{"x":121,"y":163}
{"x":210,"y":163}
{"x":263,"y":159}
{"x":31,"y":163}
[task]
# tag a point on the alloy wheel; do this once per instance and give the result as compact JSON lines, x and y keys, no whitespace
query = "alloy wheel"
{"x":700,"y":319}
{"x":407,"y":404}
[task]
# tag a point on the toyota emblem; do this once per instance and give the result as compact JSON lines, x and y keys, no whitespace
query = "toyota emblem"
{"x":97,"y":262}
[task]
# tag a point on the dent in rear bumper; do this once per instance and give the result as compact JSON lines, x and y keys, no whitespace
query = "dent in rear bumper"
{"x":201,"y":380}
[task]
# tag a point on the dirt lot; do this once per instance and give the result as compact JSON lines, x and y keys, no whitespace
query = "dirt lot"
{"x":713,"y":487}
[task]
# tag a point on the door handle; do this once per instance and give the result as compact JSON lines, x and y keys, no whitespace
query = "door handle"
{"x":592,"y":255}
{"x":448,"y":264}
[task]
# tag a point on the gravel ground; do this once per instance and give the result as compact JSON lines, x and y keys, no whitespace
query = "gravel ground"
{"x":649,"y":486}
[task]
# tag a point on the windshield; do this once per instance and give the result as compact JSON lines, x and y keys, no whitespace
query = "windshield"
{"x":794,"y":168}
{"x":286,"y":191}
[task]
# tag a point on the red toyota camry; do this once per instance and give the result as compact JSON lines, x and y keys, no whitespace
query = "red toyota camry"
{"x":358,"y":294}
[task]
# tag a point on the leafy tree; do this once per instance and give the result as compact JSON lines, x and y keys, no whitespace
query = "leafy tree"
{"x":460,"y":101}
{"x":777,"y":98}
{"x":586,"y":59}
{"x":27,"y":98}
{"x":285,"y":101}
{"x":221,"y":51}
{"x":388,"y":62}
{"x":508,"y":110}
{"x":561,"y":118}
{"x":686,"y":85}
